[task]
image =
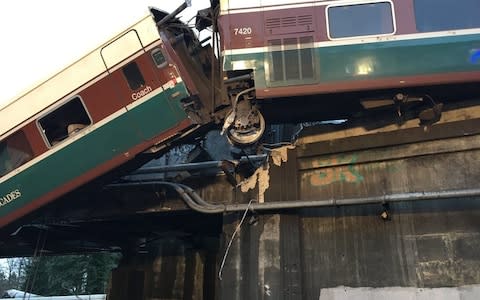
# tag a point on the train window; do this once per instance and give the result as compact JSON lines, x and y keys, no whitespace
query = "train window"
{"x":306,"y":57}
{"x":134,"y":76}
{"x":14,"y":152}
{"x":276,"y":69}
{"x":64,"y":121}
{"x":295,"y":62}
{"x":292,"y":68}
{"x":360,"y":20}
{"x":159,"y":58}
{"x":438,"y":15}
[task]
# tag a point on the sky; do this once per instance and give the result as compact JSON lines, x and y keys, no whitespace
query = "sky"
{"x":41,"y":37}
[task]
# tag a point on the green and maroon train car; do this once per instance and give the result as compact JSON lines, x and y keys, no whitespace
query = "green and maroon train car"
{"x":125,"y":97}
{"x":301,"y":47}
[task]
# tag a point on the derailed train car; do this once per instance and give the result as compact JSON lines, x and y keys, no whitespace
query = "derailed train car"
{"x":376,"y":51}
{"x":303,"y":47}
{"x":131,"y":95}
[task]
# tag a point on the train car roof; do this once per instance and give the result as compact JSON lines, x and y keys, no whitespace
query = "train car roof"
{"x":66,"y":83}
{"x":226,"y":5}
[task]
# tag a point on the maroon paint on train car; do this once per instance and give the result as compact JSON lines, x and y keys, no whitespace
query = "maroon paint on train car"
{"x":261,"y":22}
{"x":182,"y":69}
{"x":321,"y":24}
{"x":102,"y":98}
{"x":223,"y":23}
{"x":105,"y":96}
{"x":405,"y":17}
{"x":35,"y":139}
{"x":245,"y":30}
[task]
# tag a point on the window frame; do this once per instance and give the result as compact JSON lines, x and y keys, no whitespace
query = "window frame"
{"x":122,"y":69}
{"x":30,"y":152}
{"x":350,"y":3}
{"x":54,"y":108}
{"x":156,"y":50}
{"x":282,"y":48}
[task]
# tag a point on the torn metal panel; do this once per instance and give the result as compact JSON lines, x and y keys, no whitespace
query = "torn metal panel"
{"x":262,"y":177}
{"x":280,"y":155}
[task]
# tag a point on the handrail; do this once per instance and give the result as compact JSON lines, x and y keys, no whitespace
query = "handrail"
{"x":116,"y":39}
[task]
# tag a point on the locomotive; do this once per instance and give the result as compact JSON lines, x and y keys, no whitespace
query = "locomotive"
{"x":156,"y":83}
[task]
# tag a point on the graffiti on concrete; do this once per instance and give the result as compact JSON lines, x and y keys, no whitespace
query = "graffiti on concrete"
{"x":345,"y":168}
{"x":349,"y":169}
{"x":339,"y":168}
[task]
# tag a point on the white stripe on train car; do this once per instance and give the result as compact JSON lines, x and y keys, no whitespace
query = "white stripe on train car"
{"x":355,"y":41}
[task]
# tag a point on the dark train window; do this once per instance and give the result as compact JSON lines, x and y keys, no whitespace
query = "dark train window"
{"x":306,"y":57}
{"x":65,"y":121}
{"x":294,"y":62}
{"x":276,"y":69}
{"x":438,"y":15}
{"x":14,"y":152}
{"x":133,"y":75}
{"x":159,"y":58}
{"x":292,"y":58}
{"x":360,"y":20}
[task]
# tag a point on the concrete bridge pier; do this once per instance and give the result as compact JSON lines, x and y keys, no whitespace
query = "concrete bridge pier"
{"x":171,"y":269}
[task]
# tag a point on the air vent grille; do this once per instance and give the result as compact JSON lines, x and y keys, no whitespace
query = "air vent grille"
{"x":290,"y":24}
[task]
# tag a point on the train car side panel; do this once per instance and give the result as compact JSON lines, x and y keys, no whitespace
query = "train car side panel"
{"x":304,"y":46}
{"x":81,"y":72}
{"x":94,"y":150}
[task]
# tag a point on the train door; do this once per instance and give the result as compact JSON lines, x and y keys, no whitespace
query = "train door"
{"x":115,"y":53}
{"x":169,"y":78}
{"x":159,"y":101}
{"x":176,"y":63}
{"x":140,"y":84}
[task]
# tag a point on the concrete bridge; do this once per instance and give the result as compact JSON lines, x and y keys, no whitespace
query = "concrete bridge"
{"x":361,"y":205}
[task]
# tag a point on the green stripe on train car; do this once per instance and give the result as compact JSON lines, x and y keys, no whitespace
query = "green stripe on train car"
{"x":115,"y":137}
{"x":397,"y":58}
{"x":345,"y":63}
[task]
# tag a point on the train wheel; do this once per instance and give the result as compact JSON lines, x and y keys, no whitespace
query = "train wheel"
{"x":249,"y":125}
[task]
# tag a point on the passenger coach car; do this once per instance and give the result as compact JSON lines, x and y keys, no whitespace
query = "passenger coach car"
{"x":121,"y":99}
